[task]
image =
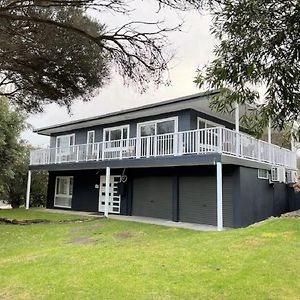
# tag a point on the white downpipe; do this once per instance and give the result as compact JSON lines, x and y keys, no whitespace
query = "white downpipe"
{"x":219,"y":197}
{"x":28,"y":190}
{"x":107,"y":182}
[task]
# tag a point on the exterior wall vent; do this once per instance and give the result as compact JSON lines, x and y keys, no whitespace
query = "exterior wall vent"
{"x":278,"y":174}
{"x":291,"y":176}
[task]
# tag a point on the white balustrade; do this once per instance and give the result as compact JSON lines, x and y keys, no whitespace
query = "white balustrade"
{"x":197,"y":142}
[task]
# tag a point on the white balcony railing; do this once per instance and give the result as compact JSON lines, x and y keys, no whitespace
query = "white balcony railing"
{"x":202,"y":141}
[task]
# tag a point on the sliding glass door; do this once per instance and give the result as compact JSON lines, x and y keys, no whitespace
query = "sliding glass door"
{"x":157,"y":137}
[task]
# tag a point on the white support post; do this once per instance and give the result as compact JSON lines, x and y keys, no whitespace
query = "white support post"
{"x":237,"y":117}
{"x":237,"y":129}
{"x":28,"y":189}
{"x":269,"y":132}
{"x":271,"y":153}
{"x":219,"y":197}
{"x":107,"y":182}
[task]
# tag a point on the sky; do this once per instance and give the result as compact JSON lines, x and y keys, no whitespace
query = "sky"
{"x":193,"y":48}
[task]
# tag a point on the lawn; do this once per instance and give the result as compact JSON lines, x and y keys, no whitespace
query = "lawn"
{"x":110,"y":259}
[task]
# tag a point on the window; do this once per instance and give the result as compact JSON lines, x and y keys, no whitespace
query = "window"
{"x":116,"y":134}
{"x":65,"y":150}
{"x":91,"y":147}
{"x":202,"y":124}
{"x":91,"y":137}
{"x":65,"y":141}
{"x":263,"y":174}
{"x":157,"y":127}
{"x":63,"y":191}
{"x":154,"y":139}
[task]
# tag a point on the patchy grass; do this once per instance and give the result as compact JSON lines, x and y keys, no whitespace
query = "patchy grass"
{"x":23,"y":214}
{"x":110,"y":259}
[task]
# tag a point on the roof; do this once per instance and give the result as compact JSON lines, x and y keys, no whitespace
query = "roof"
{"x":171,"y":105}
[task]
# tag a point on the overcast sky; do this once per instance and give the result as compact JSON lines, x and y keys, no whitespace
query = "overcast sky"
{"x":193,"y":48}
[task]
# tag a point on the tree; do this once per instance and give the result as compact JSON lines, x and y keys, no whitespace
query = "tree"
{"x":259,"y":45}
{"x":11,"y":125}
{"x":16,"y":186}
{"x":53,"y":51}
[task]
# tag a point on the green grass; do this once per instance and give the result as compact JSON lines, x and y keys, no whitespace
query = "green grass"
{"x":23,"y":214}
{"x":110,"y":259}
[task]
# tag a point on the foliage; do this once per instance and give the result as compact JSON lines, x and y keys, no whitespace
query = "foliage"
{"x":259,"y":46}
{"x":16,"y":187}
{"x":53,"y":51}
{"x":14,"y":160}
{"x":41,"y":63}
{"x":127,"y":260}
{"x":11,"y":125}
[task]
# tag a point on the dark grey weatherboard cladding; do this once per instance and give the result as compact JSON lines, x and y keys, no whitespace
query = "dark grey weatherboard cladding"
{"x":258,"y":199}
{"x":85,"y":195}
{"x":183,"y":193}
{"x":197,"y":200}
{"x":152,"y":197}
{"x":187,"y":120}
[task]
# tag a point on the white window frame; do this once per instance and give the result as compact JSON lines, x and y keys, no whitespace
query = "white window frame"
{"x":65,"y":135}
{"x":62,"y":195}
{"x":109,"y":145}
{"x":87,"y":137}
{"x":207,"y":122}
{"x":175,"y":119}
{"x":90,"y":149}
{"x":262,"y":177}
{"x":121,"y":127}
{"x":59,"y":153}
{"x":65,"y":152}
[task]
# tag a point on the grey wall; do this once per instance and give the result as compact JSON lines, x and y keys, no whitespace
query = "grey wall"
{"x":187,"y":120}
{"x":247,"y":199}
{"x":85,"y":195}
{"x":256,"y":199}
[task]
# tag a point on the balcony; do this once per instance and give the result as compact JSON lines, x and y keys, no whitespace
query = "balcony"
{"x":195,"y":142}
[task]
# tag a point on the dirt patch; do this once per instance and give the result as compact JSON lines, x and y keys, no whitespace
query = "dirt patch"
{"x":82,"y":240}
{"x":86,"y":228}
{"x":293,"y":214}
{"x":255,"y":242}
{"x":124,"y":235}
{"x":42,"y":221}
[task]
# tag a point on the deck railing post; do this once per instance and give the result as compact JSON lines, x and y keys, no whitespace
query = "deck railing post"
{"x":98,"y":149}
{"x":237,"y":143}
{"x":220,"y":140}
{"x":148,"y":147}
{"x":180,"y":143}
{"x":138,"y":147}
{"x":121,"y":149}
{"x":103,"y":147}
{"x":77,"y":153}
{"x":175,"y":143}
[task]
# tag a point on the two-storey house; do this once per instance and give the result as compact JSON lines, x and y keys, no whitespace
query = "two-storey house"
{"x":177,"y":160}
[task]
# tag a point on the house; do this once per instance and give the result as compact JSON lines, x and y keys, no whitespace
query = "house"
{"x":177,"y":160}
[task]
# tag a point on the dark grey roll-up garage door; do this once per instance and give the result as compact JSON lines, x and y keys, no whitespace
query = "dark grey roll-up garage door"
{"x":152,"y":197}
{"x":197,"y":200}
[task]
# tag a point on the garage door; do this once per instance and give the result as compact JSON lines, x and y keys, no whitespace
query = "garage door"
{"x":197,"y":200}
{"x":152,"y":197}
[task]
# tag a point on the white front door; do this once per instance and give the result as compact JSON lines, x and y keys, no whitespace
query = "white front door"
{"x":114,"y":197}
